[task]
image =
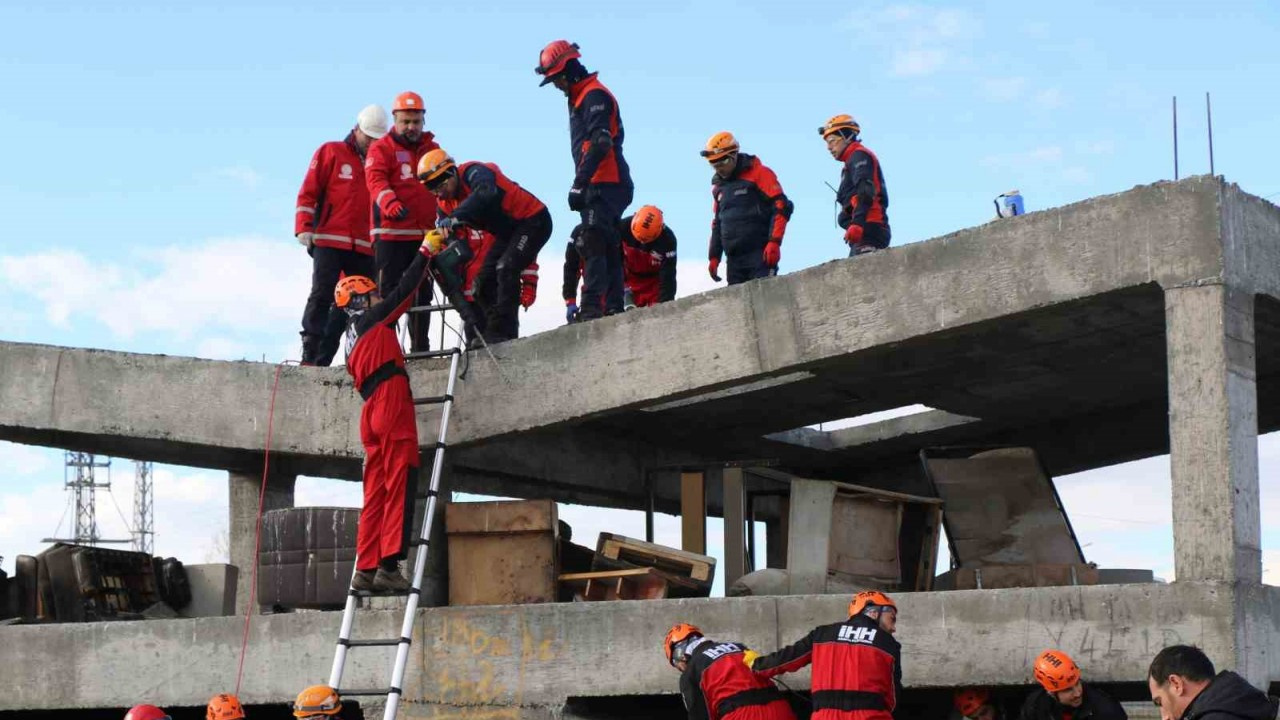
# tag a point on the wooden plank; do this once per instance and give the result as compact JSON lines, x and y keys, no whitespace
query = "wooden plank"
{"x":500,"y":516}
{"x":693,"y":512}
{"x":638,"y":552}
{"x":735,"y":509}
{"x":631,"y":584}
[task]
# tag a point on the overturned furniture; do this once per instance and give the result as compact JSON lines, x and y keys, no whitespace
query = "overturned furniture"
{"x":624,"y":568}
{"x":307,"y":557}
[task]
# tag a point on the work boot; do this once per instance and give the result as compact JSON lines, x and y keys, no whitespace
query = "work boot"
{"x":310,"y":348}
{"x":390,"y":581}
{"x":363,"y":581}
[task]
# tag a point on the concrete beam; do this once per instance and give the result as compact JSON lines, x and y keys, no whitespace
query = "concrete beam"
{"x":505,"y":658}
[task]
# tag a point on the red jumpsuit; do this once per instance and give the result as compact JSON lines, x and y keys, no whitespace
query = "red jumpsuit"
{"x":388,"y":428}
{"x":716,"y":685}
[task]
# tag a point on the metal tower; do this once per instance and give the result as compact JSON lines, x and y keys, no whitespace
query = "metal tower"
{"x":80,"y":476}
{"x":144,"y":510}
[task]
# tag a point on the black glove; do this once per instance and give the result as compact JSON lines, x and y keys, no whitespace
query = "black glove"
{"x":577,"y":198}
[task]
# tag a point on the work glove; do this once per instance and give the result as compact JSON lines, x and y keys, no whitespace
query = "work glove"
{"x":713,"y":269}
{"x":772,"y":253}
{"x":853,"y":235}
{"x":577,"y":197}
{"x":448,"y":223}
{"x":305,"y":239}
{"x":749,"y":658}
{"x":433,"y":242}
{"x":570,"y":311}
{"x":393,"y":209}
{"x":528,"y":286}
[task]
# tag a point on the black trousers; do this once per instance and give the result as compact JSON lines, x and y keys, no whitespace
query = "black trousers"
{"x":322,"y":322}
{"x":498,"y":284}
{"x":875,"y":236}
{"x":601,"y":249}
{"x":392,"y":258}
{"x":748,"y":266}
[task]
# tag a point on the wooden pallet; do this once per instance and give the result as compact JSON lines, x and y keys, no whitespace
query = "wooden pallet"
{"x":699,"y":568}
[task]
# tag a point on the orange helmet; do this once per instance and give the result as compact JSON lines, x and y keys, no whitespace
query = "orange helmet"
{"x":969,"y":701}
{"x":870,"y":599}
{"x":317,"y":700}
{"x":554,"y":57}
{"x":146,"y":712}
{"x":434,"y":164}
{"x":351,"y":287}
{"x":408,"y":101}
{"x":720,"y":145}
{"x":839,"y":123}
{"x":1056,"y":671}
{"x":679,"y":633}
{"x":224,"y":707}
{"x":646,"y":224}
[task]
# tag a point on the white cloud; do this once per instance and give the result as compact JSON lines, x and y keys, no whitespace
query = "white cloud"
{"x":189,"y":290}
{"x":919,"y":39}
{"x":242,"y":174}
{"x":25,"y":460}
{"x":1049,"y":99}
{"x":1003,"y":89}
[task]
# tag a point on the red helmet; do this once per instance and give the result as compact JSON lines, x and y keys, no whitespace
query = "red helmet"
{"x":146,"y":712}
{"x":552,"y":59}
{"x":969,"y":701}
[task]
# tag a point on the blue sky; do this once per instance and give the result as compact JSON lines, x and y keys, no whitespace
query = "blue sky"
{"x":155,"y":149}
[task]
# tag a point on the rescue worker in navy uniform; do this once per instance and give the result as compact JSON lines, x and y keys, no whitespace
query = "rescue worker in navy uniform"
{"x":1184,"y":686}
{"x":714,"y":682}
{"x":1064,"y":696}
{"x":749,"y":212}
{"x":388,"y":428}
{"x":332,"y":223}
{"x":478,"y":195}
{"x":648,"y":259}
{"x":857,"y":663}
{"x":862,"y":196}
{"x":602,"y":187}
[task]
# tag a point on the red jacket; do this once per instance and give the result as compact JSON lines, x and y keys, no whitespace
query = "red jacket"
{"x":333,"y":203}
{"x":857,"y":669}
{"x":391,"y":171}
{"x":489,"y":200}
{"x":716,"y":685}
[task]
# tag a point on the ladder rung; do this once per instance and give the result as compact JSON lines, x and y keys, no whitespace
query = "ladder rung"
{"x":373,"y":594}
{"x":430,"y":308}
{"x":432,"y":354}
{"x":433,"y":400}
{"x":344,"y":692}
{"x":389,"y":642}
{"x":416,"y":542}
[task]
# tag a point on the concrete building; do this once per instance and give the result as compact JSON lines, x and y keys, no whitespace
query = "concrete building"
{"x":1109,"y":330}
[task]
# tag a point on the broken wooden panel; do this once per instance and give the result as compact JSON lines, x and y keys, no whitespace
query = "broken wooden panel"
{"x":699,"y":568}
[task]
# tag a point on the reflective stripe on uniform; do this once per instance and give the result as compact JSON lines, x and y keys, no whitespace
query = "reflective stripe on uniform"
{"x":393,"y":231}
{"x":384,"y":192}
{"x":364,"y":243}
{"x":337,"y":238}
{"x":306,"y":210}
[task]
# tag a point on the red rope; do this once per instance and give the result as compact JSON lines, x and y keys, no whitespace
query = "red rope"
{"x":257,"y":536}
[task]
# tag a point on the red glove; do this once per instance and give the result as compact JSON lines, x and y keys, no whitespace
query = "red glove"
{"x":772,"y":253}
{"x":853,"y":235}
{"x":529,"y":286}
{"x":713,"y":267}
{"x":393,"y":209}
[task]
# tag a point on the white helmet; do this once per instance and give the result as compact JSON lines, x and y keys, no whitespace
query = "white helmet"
{"x":372,"y":121}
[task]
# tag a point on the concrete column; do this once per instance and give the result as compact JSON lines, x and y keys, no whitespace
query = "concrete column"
{"x":1213,"y":434}
{"x":809,"y":546}
{"x":243,"y":489}
{"x":735,"y":540}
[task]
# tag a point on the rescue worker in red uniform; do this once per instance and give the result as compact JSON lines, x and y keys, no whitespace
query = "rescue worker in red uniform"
{"x":402,"y":210}
{"x":602,"y":187}
{"x":749,"y":212}
{"x":388,"y":430}
{"x":714,"y":682}
{"x":862,"y":196}
{"x":857,"y":664}
{"x":648,"y":258}
{"x":1064,"y":696}
{"x":332,"y":223}
{"x":479,"y":195}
